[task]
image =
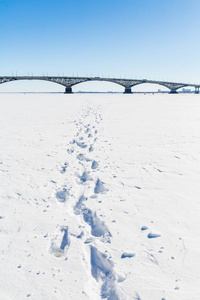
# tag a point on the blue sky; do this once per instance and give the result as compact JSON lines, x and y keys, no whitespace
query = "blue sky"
{"x":130,"y":38}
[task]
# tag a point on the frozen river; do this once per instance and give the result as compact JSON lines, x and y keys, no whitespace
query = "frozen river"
{"x":99,"y":196}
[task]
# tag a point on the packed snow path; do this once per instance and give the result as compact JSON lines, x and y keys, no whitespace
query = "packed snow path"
{"x":99,"y":197}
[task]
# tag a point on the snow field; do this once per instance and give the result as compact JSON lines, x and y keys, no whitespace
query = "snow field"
{"x":99,"y":197}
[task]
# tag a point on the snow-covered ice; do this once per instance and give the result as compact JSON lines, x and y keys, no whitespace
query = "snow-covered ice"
{"x":99,"y":197}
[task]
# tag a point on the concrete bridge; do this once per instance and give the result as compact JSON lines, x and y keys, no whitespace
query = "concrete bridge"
{"x":69,"y":82}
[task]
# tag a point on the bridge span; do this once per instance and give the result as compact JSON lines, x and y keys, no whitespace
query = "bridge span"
{"x":69,"y":82}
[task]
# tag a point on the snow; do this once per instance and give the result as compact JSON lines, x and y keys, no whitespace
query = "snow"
{"x":99,"y":196}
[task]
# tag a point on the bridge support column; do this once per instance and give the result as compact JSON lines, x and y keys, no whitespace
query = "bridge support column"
{"x":196,"y":89}
{"x":127,"y":91}
{"x":68,"y":90}
{"x":173,"y":92}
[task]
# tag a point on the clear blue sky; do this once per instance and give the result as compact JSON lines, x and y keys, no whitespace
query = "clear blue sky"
{"x":130,"y":38}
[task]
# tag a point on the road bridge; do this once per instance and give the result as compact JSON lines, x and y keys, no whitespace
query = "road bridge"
{"x":69,"y":82}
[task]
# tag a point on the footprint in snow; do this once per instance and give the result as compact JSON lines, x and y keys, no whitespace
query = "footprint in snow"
{"x":102,"y":269}
{"x":62,"y":195}
{"x":82,"y":157}
{"x":99,"y":187}
{"x":60,"y":243}
{"x":81,"y":145}
{"x":91,"y":149}
{"x":79,"y":205}
{"x":94,"y":165}
{"x":98,"y":227}
{"x":84,"y":177}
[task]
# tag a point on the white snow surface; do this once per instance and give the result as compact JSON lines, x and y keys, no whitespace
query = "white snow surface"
{"x":99,"y":197}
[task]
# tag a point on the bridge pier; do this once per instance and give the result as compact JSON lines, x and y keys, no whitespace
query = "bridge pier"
{"x":173,"y":92}
{"x":127,"y":91}
{"x":68,"y":90}
{"x":196,"y":89}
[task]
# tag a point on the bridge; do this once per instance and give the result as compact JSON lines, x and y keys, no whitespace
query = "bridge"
{"x":69,"y":82}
